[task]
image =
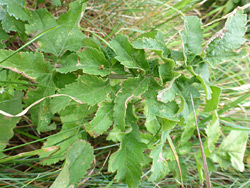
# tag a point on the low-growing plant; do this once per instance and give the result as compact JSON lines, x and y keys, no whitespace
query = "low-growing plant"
{"x":133,"y":92}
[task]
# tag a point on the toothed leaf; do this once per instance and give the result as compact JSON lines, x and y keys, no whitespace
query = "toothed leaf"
{"x":78,"y":160}
{"x":65,"y":34}
{"x":232,"y":37}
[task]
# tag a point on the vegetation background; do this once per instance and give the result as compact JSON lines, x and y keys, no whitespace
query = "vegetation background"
{"x":105,"y":19}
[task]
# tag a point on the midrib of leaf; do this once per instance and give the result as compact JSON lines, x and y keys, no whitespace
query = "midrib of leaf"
{"x":51,"y":35}
{"x":127,"y":163}
{"x":66,"y":40}
{"x":139,"y":86}
{"x":99,"y":89}
{"x":72,"y":26}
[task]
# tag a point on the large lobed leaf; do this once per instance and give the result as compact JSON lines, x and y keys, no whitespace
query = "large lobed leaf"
{"x":7,"y":124}
{"x":89,"y":89}
{"x":16,"y":9}
{"x":127,"y":55}
{"x":102,"y":121}
{"x":159,"y":166}
{"x":202,"y":74}
{"x":131,"y":87}
{"x":127,"y":160}
{"x":192,"y":37}
{"x":93,"y":61}
{"x":13,"y":14}
{"x":152,"y":41}
{"x":183,"y":88}
{"x":31,"y":65}
{"x":154,"y":108}
{"x":212,"y":104}
{"x":228,"y":40}
{"x":63,"y":139}
{"x":65,"y":37}
{"x":232,"y":149}
{"x":78,"y":159}
{"x":69,"y":132}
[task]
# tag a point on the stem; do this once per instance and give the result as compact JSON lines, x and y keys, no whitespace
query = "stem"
{"x":208,"y":182}
{"x":120,"y":76}
{"x":125,"y":76}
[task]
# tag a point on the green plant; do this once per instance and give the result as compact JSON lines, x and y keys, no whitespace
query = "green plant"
{"x":135,"y":93}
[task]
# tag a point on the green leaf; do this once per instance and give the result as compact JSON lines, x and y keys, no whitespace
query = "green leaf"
{"x":61,"y":80}
{"x":59,"y":103}
{"x":41,"y":114}
{"x":235,"y":145}
{"x":189,"y":127}
{"x":166,"y":72}
{"x":155,"y":108}
{"x":159,"y":168}
{"x":155,"y":41}
{"x":102,"y":121}
{"x":113,"y":134}
{"x":212,"y":104}
{"x":89,"y":89}
{"x":68,"y":64}
{"x":31,"y":65}
{"x":192,"y":37}
{"x":66,"y":37}
{"x":149,"y":44}
{"x":213,"y":132}
{"x":132,"y":87}
{"x":10,"y":23}
{"x":200,"y":169}
{"x":153,"y":126}
{"x":78,"y":159}
{"x":69,"y":132}
{"x":232,"y":148}
{"x":170,"y":86}
{"x":152,"y":41}
{"x":13,"y":106}
{"x":167,"y":124}
{"x":199,"y":163}
{"x":127,"y":160}
{"x":3,"y":36}
{"x":93,"y":61}
{"x":79,"y":115}
{"x":40,"y":20}
{"x":202,"y":74}
{"x":8,"y":80}
{"x":127,"y":55}
{"x":177,"y":55}
{"x":230,"y":38}
{"x":16,"y":9}
{"x":182,"y":86}
{"x":185,"y":146}
{"x":168,"y":94}
{"x":63,"y":139}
